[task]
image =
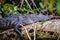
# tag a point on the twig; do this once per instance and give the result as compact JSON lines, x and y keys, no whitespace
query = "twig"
{"x":26,"y":32}
{"x":58,"y":37}
{"x":22,"y":1}
{"x":34,"y":3}
{"x":34,"y":32}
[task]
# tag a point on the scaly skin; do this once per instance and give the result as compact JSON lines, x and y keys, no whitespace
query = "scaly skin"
{"x":15,"y":21}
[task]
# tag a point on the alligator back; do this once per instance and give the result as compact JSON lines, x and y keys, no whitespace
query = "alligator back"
{"x":11,"y":21}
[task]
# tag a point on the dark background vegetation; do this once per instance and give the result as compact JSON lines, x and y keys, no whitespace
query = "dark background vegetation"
{"x":10,"y":7}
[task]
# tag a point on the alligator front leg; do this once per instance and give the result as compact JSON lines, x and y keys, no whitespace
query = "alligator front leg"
{"x":16,"y":28}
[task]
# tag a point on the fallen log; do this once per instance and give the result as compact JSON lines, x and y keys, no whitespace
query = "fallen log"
{"x":48,"y":26}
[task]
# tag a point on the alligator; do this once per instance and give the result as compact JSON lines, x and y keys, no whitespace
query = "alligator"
{"x":22,"y":19}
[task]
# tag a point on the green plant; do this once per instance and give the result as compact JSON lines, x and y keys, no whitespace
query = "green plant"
{"x":58,"y":7}
{"x":51,"y":5}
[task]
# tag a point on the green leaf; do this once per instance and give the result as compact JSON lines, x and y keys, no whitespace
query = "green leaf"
{"x":41,"y":5}
{"x":4,"y":12}
{"x":15,"y":8}
{"x":58,"y":7}
{"x":26,"y":6}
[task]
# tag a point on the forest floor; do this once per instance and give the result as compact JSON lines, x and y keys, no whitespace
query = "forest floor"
{"x":47,"y":30}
